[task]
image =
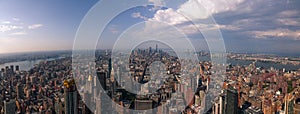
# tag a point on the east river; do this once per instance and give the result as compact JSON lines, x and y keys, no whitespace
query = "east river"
{"x":27,"y":65}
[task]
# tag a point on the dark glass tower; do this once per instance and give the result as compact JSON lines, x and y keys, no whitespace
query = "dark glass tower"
{"x":231,"y":102}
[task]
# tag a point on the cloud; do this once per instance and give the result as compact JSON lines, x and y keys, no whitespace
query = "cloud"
{"x":228,"y":27}
{"x":256,"y":18}
{"x":193,"y":10}
{"x":173,"y":18}
{"x":16,"y":19}
{"x":15,"y":27}
{"x":218,"y":6}
{"x":241,"y":24}
{"x":5,"y":22}
{"x":201,"y":9}
{"x":288,"y":18}
{"x":5,"y":28}
{"x":138,"y":15}
{"x":277,"y":33}
{"x":113,"y":29}
{"x":35,"y":26}
{"x":289,"y":21}
{"x":19,"y":33}
{"x":288,"y":13}
{"x":157,"y":2}
{"x":169,"y":16}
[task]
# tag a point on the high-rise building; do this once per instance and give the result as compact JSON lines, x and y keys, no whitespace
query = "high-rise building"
{"x":200,"y":82}
{"x":58,"y":107}
{"x":162,"y":109}
{"x":102,"y":79}
{"x":6,"y":70}
{"x":9,"y":106}
{"x":12,"y":68}
{"x":17,"y":68}
{"x":71,"y":97}
{"x":109,"y":67}
{"x":297,"y":106}
{"x":143,"y":104}
{"x":218,"y":106}
{"x":150,"y":50}
{"x":2,"y":72}
{"x":87,"y":97}
{"x":19,"y":91}
{"x":222,"y":104}
{"x":106,"y":103}
{"x":98,"y":105}
{"x":197,"y":100}
{"x":231,"y":102}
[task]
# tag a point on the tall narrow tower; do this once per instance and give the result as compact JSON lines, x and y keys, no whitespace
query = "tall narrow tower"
{"x":231,"y":101}
{"x":71,"y":98}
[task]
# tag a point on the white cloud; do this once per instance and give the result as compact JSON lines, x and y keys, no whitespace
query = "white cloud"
{"x":288,"y":13}
{"x":173,"y":18}
{"x":218,"y":6}
{"x":16,"y":19}
{"x":19,"y":33}
{"x":5,"y":22}
{"x":113,"y":29}
{"x":157,"y":2}
{"x":193,"y":10}
{"x":169,"y":16}
{"x":289,"y":21}
{"x":277,"y":33}
{"x":241,"y":24}
{"x":5,"y":28}
{"x":228,"y":27}
{"x":201,"y":9}
{"x":35,"y":26}
{"x":138,"y":15}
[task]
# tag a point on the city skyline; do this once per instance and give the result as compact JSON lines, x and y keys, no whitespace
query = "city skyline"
{"x":150,"y":56}
{"x":246,"y":26}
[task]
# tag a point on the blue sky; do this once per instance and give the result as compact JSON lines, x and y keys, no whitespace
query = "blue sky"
{"x":40,"y":25}
{"x":263,"y":26}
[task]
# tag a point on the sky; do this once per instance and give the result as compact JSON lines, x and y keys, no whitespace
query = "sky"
{"x":246,"y":26}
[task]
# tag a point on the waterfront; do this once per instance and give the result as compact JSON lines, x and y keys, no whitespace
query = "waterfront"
{"x":258,"y":63}
{"x":26,"y":65}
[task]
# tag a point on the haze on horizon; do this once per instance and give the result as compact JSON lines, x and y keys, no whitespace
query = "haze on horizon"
{"x":247,"y":26}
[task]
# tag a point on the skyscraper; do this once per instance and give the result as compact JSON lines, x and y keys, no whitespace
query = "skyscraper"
{"x":2,"y":72}
{"x":58,"y":107}
{"x":297,"y":106}
{"x":98,"y":104}
{"x":102,"y":79}
{"x":71,"y":97}
{"x":218,"y":106}
{"x":19,"y":91}
{"x":9,"y":106}
{"x":231,"y":101}
{"x":156,"y":48}
{"x":17,"y":68}
{"x":143,"y":104}
{"x":12,"y":68}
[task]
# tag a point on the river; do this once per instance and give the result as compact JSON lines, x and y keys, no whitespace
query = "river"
{"x":258,"y":64}
{"x":26,"y":65}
